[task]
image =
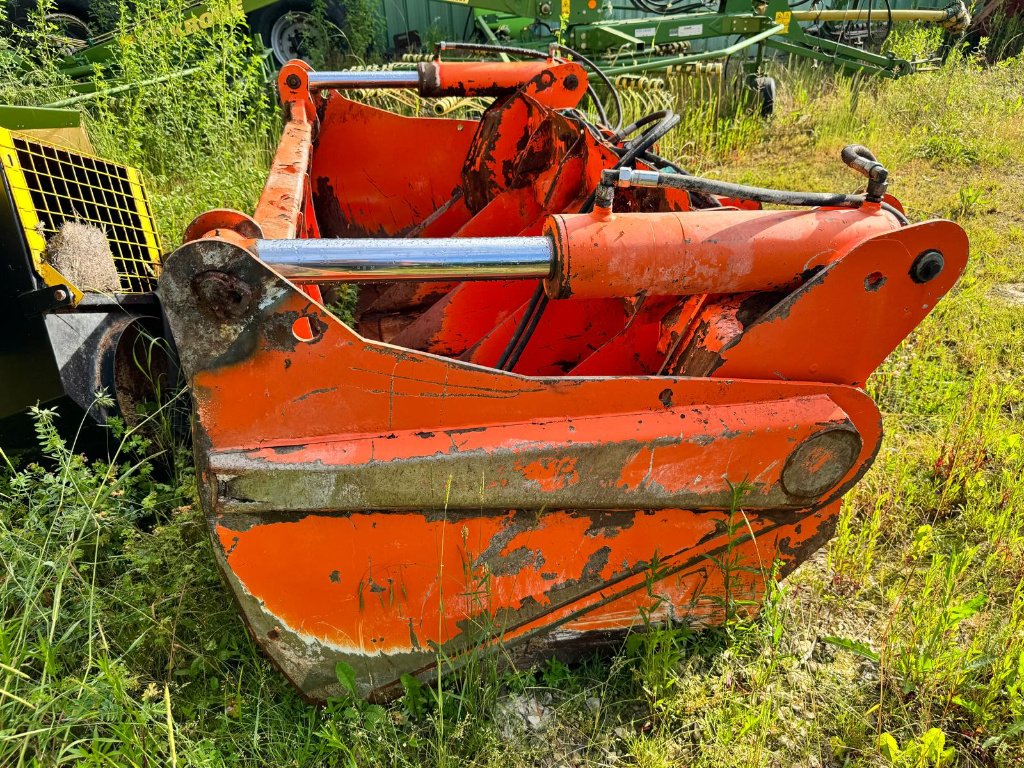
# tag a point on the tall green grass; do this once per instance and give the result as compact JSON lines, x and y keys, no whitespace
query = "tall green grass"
{"x":198,"y":118}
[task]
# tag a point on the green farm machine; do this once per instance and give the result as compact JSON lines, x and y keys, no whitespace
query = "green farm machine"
{"x":663,"y":38}
{"x":631,"y":40}
{"x":670,"y":33}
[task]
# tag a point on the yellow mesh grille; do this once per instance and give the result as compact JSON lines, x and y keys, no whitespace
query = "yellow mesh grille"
{"x":51,"y":185}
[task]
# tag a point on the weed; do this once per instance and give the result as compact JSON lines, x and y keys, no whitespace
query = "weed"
{"x":971,"y":199}
{"x":739,"y":580}
{"x":364,"y":27}
{"x":853,"y":550}
{"x":927,"y":751}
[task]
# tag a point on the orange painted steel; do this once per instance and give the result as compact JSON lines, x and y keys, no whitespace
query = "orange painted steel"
{"x":681,"y":254}
{"x":381,"y":494}
{"x":559,"y":86}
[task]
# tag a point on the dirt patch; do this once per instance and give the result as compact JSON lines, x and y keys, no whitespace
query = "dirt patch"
{"x":82,"y":254}
{"x":1011,"y":293}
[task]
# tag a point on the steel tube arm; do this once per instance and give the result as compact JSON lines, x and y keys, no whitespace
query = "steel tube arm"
{"x":370,"y":259}
{"x":872,"y":14}
{"x":703,"y":56}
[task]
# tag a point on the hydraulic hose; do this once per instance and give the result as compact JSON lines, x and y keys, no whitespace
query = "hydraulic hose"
{"x":529,"y":321}
{"x":697,"y":199}
{"x":511,"y":50}
{"x":857,"y":157}
{"x":590,"y":89}
{"x":666,"y":121}
{"x":666,"y":7}
{"x":629,"y":177}
{"x":861,"y":159}
{"x":744,"y":192}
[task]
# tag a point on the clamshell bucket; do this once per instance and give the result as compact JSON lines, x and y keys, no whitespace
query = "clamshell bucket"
{"x":558,"y":405}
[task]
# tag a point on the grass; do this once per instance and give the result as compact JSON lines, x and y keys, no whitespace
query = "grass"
{"x":900,"y":644}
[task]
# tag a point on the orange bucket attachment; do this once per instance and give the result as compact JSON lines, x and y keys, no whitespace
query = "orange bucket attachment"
{"x":550,"y":408}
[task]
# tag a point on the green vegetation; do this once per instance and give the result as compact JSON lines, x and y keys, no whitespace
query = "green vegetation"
{"x":900,"y":644}
{"x":203,"y":138}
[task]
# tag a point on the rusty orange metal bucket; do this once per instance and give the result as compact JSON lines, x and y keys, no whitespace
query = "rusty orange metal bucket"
{"x":552,"y":410}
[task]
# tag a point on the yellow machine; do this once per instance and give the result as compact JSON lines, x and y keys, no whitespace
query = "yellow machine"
{"x":80,"y":258}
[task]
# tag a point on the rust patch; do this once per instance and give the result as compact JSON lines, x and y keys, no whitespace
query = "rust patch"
{"x":874,"y":281}
{"x":222,"y":296}
{"x":665,"y":396}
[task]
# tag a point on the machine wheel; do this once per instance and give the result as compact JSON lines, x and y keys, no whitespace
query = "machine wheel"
{"x":71,"y":24}
{"x":288,"y":27}
{"x":764,"y":87}
{"x":70,"y":20}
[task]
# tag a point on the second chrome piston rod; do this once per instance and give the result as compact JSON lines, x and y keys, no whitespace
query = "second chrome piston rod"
{"x":387,"y":259}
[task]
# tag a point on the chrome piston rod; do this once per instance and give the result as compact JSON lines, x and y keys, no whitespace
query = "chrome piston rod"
{"x":355,"y":78}
{"x":380,"y":259}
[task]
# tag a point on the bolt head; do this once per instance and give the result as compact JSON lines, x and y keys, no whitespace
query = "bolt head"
{"x":293,"y":81}
{"x":927,"y":267}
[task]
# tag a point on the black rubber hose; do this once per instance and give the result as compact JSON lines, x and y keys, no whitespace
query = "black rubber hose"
{"x":511,"y":50}
{"x":622,"y":133}
{"x":764,"y":195}
{"x":888,"y":27}
{"x":897,"y":214}
{"x":525,"y":337}
{"x":859,"y":158}
{"x":601,"y":114}
{"x":699,"y":199}
{"x":665,"y":7}
{"x":758,"y":194}
{"x":590,"y":89}
{"x":520,"y":329}
{"x":863,"y":161}
{"x":633,"y":149}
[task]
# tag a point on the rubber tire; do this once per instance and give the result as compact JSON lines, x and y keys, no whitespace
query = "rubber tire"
{"x":765,"y":88}
{"x":262,"y":21}
{"x":20,"y":9}
{"x":78,"y":17}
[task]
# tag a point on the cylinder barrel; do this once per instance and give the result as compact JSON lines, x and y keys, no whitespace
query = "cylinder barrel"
{"x":437,"y":78}
{"x":369,"y":259}
{"x":479,"y":78}
{"x":697,"y":252}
